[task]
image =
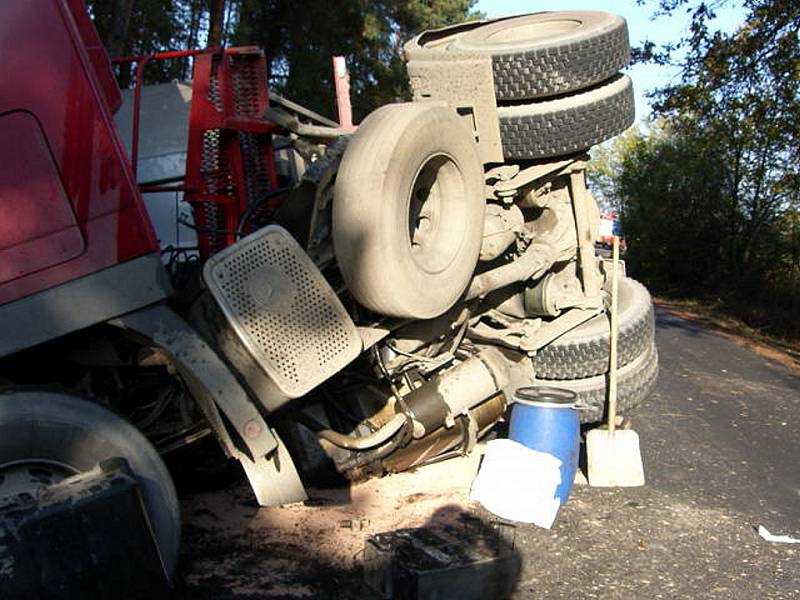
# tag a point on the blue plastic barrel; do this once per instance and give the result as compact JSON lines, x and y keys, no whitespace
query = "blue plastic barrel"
{"x":545,"y":419}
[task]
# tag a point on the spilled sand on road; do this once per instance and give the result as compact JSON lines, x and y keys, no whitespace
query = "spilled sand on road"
{"x":328,"y":531}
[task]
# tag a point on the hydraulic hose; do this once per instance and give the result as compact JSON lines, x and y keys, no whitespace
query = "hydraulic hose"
{"x":368,"y":441}
{"x":248,"y":213}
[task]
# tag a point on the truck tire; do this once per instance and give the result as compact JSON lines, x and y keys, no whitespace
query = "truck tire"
{"x":635,"y":381}
{"x":549,"y":53}
{"x":55,"y":435}
{"x":538,"y":55}
{"x":567,"y":125}
{"x":584,"y":351}
{"x":408,"y":210}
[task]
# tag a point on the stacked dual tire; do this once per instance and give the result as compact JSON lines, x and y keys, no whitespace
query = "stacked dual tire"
{"x":556,"y":78}
{"x":579,"y":359}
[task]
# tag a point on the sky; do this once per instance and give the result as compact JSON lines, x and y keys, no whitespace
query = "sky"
{"x":641,"y":27}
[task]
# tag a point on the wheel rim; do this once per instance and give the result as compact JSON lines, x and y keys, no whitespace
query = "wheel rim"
{"x":532,"y":32}
{"x":29,"y":476}
{"x":436,"y":226}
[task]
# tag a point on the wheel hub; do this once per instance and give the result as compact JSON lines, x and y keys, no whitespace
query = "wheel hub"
{"x":29,"y":476}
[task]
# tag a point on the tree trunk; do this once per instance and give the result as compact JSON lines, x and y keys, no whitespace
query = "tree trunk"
{"x":117,"y":37}
{"x":215,"y":20}
{"x":194,"y":28}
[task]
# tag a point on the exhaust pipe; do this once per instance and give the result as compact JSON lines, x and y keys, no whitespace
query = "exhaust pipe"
{"x":455,"y":391}
{"x":446,"y":442}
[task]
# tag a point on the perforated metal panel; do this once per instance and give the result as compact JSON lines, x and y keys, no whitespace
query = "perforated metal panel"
{"x":283,"y":310}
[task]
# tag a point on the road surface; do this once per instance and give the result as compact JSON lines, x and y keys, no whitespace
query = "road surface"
{"x":722,"y":456}
{"x":721,"y":453}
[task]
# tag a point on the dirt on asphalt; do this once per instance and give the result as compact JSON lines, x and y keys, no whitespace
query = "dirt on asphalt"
{"x":720,"y":447}
{"x":283,"y":551}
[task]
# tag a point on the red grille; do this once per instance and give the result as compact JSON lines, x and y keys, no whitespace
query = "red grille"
{"x":248,"y":72}
{"x":214,"y":96}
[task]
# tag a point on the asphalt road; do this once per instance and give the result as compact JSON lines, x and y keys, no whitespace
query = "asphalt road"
{"x":720,"y":447}
{"x":722,"y":456}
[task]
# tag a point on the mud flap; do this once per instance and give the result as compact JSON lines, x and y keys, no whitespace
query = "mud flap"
{"x":274,"y":478}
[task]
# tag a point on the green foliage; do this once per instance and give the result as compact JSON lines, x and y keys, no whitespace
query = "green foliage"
{"x":605,"y":167}
{"x":710,"y":197}
{"x":671,"y":206}
{"x":152,"y":26}
{"x":300,"y":39}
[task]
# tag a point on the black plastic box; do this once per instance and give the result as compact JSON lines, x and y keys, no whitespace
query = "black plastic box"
{"x":86,"y":537}
{"x":469,"y":562}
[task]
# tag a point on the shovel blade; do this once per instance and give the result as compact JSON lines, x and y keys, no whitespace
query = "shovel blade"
{"x":614,"y":459}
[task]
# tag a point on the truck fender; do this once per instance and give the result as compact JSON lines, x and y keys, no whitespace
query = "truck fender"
{"x":265,"y":459}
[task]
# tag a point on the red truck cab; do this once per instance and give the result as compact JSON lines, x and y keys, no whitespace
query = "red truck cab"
{"x":70,"y":211}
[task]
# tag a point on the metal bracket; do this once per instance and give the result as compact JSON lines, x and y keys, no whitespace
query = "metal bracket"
{"x":471,"y":435}
{"x":590,"y":275}
{"x":465,"y":82}
{"x":511,"y":185}
{"x":206,"y":375}
{"x":528,"y":335}
{"x":511,"y":334}
{"x":557,"y":327}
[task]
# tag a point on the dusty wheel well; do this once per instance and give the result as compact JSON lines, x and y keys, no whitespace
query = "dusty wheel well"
{"x":116,"y":369}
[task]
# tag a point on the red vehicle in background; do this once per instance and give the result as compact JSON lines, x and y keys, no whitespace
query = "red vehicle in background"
{"x":610,"y":226}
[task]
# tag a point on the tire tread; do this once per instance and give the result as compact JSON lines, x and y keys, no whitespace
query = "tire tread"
{"x":632,"y":388}
{"x":568,"y":126}
{"x":570,"y":358}
{"x":560,"y":69}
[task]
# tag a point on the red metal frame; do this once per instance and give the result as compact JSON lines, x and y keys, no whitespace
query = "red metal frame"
{"x":230,"y":160}
{"x":141,"y":63}
{"x":230,"y":156}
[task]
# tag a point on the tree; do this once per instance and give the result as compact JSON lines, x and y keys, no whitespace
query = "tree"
{"x":721,"y":173}
{"x":667,"y":188}
{"x":742,"y":89}
{"x":300,"y":39}
{"x":117,"y":36}
{"x":605,"y":167}
{"x":152,"y":26}
{"x":216,"y":20}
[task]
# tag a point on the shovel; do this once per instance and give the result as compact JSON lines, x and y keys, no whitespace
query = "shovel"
{"x":613,"y":454}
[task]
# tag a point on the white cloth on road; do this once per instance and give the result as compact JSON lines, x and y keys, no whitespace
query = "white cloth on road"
{"x":782,"y":539}
{"x":517,"y":483}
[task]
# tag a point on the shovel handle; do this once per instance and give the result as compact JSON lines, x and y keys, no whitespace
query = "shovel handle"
{"x":612,"y":367}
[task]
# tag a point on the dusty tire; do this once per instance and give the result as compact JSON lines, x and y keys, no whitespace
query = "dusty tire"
{"x":584,"y":351}
{"x":549,"y":53}
{"x":47,"y":427}
{"x":635,"y":381}
{"x":408,"y":210}
{"x":567,"y":125}
{"x":538,"y":55}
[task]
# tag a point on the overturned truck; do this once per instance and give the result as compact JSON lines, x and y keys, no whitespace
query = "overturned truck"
{"x":354,"y":302}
